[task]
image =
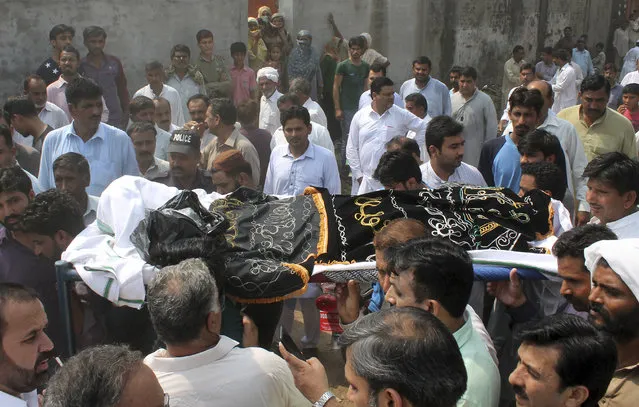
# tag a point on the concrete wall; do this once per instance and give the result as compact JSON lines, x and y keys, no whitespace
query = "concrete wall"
{"x":481,"y":33}
{"x":138,"y":31}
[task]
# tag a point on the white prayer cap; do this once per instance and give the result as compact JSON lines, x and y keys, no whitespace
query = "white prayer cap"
{"x":268,"y":73}
{"x":622,"y":257}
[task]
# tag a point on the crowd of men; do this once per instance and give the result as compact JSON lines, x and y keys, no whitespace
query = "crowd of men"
{"x":282,"y":117}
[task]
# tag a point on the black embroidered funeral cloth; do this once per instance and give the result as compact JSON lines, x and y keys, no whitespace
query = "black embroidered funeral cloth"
{"x":275,"y":243}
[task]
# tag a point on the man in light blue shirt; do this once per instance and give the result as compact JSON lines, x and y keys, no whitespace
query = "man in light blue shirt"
{"x":581,"y":57}
{"x":108,"y":150}
{"x":293,"y":167}
{"x":300,"y":163}
{"x":435,"y":92}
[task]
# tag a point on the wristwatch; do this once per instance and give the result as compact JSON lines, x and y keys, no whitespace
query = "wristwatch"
{"x":324,"y":399}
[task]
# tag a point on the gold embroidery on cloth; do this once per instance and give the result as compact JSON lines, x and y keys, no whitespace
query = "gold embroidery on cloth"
{"x":371,"y":220}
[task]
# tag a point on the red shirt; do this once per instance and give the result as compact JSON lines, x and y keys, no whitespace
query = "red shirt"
{"x":633,"y":117}
{"x":244,"y":83}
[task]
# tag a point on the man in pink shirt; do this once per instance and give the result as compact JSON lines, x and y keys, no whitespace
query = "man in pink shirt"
{"x":69,"y":63}
{"x":242,"y":77}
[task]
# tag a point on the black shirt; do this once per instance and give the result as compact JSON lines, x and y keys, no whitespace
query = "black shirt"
{"x":49,"y":70}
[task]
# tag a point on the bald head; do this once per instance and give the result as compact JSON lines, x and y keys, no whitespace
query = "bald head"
{"x":546,"y":91}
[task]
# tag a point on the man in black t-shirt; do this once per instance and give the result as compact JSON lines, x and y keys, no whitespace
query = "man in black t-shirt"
{"x":59,"y":36}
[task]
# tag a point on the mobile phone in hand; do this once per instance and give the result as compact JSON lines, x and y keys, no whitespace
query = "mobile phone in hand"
{"x":289,"y":344}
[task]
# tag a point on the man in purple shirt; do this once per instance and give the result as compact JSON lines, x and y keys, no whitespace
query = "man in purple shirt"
{"x":106,"y":70}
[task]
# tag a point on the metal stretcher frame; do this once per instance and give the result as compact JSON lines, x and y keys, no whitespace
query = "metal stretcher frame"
{"x":65,"y":274}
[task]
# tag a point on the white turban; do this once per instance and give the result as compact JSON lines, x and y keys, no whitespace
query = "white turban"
{"x":268,"y":73}
{"x":622,"y":257}
{"x":369,"y":39}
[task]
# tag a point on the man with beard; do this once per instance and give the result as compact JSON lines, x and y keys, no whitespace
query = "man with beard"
{"x":499,"y":159}
{"x":435,"y":92}
{"x":372,"y":127}
{"x":108,"y":149}
{"x":613,"y":190}
{"x":614,"y":309}
{"x":563,"y":361}
{"x":453,"y":78}
{"x":184,"y":156}
{"x":56,"y":92}
{"x":268,"y":80}
{"x":445,"y":144}
{"x":571,"y":268}
{"x":162,"y":115}
{"x":18,"y":262}
{"x":526,"y":75}
{"x":26,"y":349}
{"x":602,"y":130}
{"x":35,"y":88}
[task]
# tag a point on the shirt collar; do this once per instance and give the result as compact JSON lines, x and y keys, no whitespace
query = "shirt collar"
{"x":99,"y":133}
{"x":598,"y":121}
{"x":632,"y":218}
{"x":276,"y":95}
{"x":92,"y":204}
{"x":309,"y":153}
{"x":232,"y":139}
{"x":463,"y":334}
{"x":161,"y":361}
{"x":60,"y":83}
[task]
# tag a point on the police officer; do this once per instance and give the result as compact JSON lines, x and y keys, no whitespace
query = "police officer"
{"x":184,"y":156}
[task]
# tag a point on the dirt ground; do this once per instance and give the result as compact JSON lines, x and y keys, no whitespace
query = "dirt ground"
{"x":330,"y":358}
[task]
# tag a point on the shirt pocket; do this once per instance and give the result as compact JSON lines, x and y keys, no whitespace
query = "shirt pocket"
{"x":102,"y":174}
{"x":312,"y":177}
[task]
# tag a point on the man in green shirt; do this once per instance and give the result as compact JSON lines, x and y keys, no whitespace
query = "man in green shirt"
{"x":213,"y":67}
{"x":350,"y":82}
{"x":601,"y":129}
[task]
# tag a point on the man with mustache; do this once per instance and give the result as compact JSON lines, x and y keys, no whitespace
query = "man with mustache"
{"x":499,"y":159}
{"x":184,"y":156}
{"x":142,"y":109}
{"x":35,"y":89}
{"x":614,"y":309}
{"x":26,"y":348}
{"x":72,"y":174}
{"x":56,"y":92}
{"x":108,"y":149}
{"x":613,"y":189}
{"x":18,"y":262}
{"x":601,"y":129}
{"x":144,"y":137}
{"x":571,"y":268}
{"x":563,"y":361}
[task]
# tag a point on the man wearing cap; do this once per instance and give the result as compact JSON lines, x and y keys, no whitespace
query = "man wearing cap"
{"x":614,"y":308}
{"x":268,"y":80}
{"x":230,"y":171}
{"x":184,"y":156}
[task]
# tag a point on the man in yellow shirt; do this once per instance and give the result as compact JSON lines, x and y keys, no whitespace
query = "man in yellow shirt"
{"x":601,"y":130}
